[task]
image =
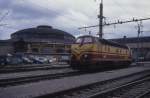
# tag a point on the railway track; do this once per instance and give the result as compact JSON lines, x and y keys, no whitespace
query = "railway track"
{"x":29,"y":68}
{"x":144,"y":95}
{"x":23,"y":75}
{"x":96,"y":89}
{"x":80,"y":86}
{"x":129,"y":90}
{"x":22,"y":80}
{"x":12,"y":79}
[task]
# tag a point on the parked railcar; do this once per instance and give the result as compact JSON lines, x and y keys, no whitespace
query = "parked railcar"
{"x":89,"y":52}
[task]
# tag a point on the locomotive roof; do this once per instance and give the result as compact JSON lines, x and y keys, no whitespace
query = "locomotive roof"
{"x":113,"y":43}
{"x":108,"y":42}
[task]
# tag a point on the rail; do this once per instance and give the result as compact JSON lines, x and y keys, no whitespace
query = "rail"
{"x":107,"y":92}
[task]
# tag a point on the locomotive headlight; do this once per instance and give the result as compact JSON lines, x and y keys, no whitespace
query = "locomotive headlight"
{"x":85,"y":56}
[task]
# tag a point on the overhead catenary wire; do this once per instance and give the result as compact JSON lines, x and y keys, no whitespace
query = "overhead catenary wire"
{"x":118,"y":22}
{"x":124,"y":10}
{"x":2,"y":18}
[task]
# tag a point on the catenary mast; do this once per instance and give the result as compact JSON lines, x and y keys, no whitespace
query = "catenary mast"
{"x":100,"y":16}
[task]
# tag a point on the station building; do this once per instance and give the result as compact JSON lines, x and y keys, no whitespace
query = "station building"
{"x":6,"y":47}
{"x":40,"y":40}
{"x":47,"y":40}
{"x":140,"y":47}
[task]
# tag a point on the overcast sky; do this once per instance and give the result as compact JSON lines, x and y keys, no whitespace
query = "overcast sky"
{"x":68,"y":15}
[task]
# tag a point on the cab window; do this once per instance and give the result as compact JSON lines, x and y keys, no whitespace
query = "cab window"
{"x":79,"y":40}
{"x":87,"y":40}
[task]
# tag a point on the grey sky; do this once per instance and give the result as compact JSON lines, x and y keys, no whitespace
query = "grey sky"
{"x":68,"y":15}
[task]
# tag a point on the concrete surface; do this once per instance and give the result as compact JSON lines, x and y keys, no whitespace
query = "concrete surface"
{"x":56,"y":85}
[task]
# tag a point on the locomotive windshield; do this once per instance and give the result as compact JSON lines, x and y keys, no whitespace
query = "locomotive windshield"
{"x":79,"y":40}
{"x":84,"y":40}
{"x":87,"y":40}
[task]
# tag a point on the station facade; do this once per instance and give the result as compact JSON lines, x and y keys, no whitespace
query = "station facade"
{"x":41,"y":40}
{"x":140,"y":47}
{"x":47,"y":40}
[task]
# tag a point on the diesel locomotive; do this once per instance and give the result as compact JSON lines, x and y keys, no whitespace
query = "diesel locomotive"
{"x":89,"y":52}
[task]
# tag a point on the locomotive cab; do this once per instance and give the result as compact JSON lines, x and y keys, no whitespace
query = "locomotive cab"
{"x":81,"y":50}
{"x":83,"y":43}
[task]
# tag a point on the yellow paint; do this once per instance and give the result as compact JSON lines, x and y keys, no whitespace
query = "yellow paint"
{"x":78,"y":50}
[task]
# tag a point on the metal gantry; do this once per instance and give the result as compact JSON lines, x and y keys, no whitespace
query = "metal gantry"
{"x":100,"y":16}
{"x":102,"y":23}
{"x":116,"y":23}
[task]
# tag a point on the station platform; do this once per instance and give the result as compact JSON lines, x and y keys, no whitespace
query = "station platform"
{"x":52,"y":86}
{"x":7,"y":76}
{"x":146,"y":63}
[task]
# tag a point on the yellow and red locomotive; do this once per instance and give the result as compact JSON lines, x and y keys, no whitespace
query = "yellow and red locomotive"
{"x":89,"y":52}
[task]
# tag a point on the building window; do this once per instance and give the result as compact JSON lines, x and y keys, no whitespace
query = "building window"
{"x":105,"y":47}
{"x":126,"y":52}
{"x":35,"y":50}
{"x":108,"y":48}
{"x":117,"y":50}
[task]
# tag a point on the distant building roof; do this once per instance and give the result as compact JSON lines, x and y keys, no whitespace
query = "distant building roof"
{"x":43,"y":33}
{"x":5,"y":42}
{"x":132,"y":40}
